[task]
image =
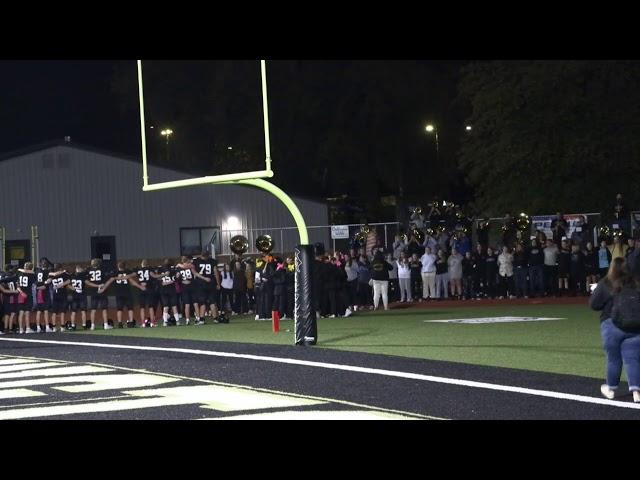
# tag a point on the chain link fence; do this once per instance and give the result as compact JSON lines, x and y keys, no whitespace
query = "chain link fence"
{"x":286,"y":238}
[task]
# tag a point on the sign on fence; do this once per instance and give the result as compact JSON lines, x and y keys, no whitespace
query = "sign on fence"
{"x":543,"y":222}
{"x":339,"y":232}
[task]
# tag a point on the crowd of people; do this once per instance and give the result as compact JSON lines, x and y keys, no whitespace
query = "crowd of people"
{"x":185,"y":292}
{"x":443,"y":266}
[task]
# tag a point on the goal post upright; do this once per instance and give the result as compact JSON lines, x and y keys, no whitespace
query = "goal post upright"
{"x":305,"y":304}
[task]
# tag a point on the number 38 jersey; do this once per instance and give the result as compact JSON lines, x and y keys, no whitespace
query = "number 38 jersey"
{"x":186,"y":275}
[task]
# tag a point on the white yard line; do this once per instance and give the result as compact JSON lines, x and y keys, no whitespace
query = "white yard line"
{"x":351,"y":368}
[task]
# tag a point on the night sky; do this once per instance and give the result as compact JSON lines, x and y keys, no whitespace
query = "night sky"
{"x":47,"y":100}
{"x":335,"y":118}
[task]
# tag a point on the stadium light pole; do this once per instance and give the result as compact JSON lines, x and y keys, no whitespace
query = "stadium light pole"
{"x":167,"y":132}
{"x":432,"y":129}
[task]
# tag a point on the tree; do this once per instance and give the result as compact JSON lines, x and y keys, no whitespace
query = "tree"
{"x":551,"y":135}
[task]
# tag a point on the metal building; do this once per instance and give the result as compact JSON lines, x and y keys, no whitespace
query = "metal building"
{"x":88,"y":203}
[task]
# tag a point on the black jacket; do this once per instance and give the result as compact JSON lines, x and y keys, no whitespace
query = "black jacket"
{"x":602,"y":299}
{"x":380,"y":270}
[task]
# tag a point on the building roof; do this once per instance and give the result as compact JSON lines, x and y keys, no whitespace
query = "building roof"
{"x":64,"y":143}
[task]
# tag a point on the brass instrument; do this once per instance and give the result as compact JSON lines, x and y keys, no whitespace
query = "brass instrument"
{"x":418,"y":235}
{"x":361,"y":236}
{"x":483,"y":224}
{"x":605,"y":232}
{"x":523,"y":222}
{"x":239,"y":244}
{"x":264,"y":244}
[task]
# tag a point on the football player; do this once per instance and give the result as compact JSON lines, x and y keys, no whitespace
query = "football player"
{"x":123,"y":278}
{"x":26,"y":281}
{"x":96,"y":278}
{"x":207,"y":291}
{"x":78,"y":281}
{"x":148,"y":298}
{"x":59,"y":279}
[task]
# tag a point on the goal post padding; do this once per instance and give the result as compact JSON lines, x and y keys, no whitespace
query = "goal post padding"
{"x":305,"y":312}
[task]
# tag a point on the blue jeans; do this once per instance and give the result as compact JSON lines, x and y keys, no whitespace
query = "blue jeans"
{"x":621,"y":347}
{"x":536,"y":280}
{"x":521,"y":281}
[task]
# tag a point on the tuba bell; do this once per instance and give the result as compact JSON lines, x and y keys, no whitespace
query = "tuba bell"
{"x":264,"y":244}
{"x":239,"y":244}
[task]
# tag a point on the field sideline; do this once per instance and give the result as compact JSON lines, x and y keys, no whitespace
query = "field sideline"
{"x":570,"y":345}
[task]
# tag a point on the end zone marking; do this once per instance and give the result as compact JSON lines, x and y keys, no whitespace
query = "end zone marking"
{"x":493,"y":320}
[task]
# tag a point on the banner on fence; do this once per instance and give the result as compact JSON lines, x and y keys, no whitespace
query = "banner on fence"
{"x":339,"y":232}
{"x":543,"y":222}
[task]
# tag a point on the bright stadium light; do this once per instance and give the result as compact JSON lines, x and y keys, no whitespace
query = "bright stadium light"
{"x":431,"y":129}
{"x":233,"y":223}
{"x":167,"y":132}
{"x":468,"y":128}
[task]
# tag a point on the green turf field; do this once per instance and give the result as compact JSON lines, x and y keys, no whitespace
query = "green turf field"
{"x":568,"y":346}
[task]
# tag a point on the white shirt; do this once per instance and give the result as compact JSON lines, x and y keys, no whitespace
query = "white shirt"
{"x":403,"y":270}
{"x":505,"y":264}
{"x":228,"y":281}
{"x":428,"y":261}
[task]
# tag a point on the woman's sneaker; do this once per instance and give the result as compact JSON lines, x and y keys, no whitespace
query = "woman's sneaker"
{"x":607,"y":392}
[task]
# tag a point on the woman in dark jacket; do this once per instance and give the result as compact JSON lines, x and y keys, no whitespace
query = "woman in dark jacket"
{"x":380,"y":269}
{"x":620,"y":346}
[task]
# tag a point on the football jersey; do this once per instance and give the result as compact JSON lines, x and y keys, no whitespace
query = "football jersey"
{"x":168,"y":278}
{"x":77,"y":282}
{"x":121,"y":283}
{"x":206,"y":268}
{"x":145,"y":278}
{"x":26,"y":281}
{"x":186,"y":275}
{"x":57,"y":281}
{"x":10,"y":282}
{"x":41,"y":276}
{"x":97,"y":275}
